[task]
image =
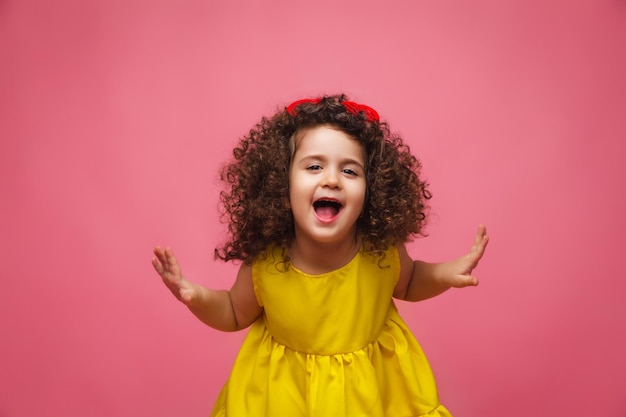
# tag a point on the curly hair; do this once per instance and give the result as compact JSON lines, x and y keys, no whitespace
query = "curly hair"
{"x":255,"y":204}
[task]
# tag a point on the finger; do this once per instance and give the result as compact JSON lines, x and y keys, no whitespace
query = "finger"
{"x":482,"y":231}
{"x":473,"y":281}
{"x":157,"y":266}
{"x":160,"y":263}
{"x":186,"y":296}
{"x":171,"y":261}
{"x":159,"y":253}
{"x":481,"y":235}
{"x":480,"y":243}
{"x":169,"y":254}
{"x":466,"y":281}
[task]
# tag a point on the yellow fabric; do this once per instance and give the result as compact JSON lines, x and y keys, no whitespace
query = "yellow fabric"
{"x":330,"y":345}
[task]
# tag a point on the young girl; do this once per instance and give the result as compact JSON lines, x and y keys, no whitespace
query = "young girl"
{"x":321,"y":200}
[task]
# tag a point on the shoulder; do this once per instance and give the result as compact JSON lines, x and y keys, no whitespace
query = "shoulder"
{"x":245,"y":304}
{"x":406,"y":271}
{"x":273,"y":260}
{"x":405,"y":260}
{"x":383,"y":256}
{"x":388,"y":260}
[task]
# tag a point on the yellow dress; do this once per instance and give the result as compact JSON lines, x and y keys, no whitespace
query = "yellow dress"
{"x":330,"y":345}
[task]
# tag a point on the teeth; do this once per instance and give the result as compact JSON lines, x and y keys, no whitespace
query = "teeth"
{"x":327,"y":208}
{"x":323,"y":202}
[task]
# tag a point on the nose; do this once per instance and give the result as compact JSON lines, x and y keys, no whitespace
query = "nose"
{"x":330,"y":179}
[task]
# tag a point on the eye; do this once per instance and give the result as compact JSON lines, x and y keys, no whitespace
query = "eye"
{"x":350,"y":172}
{"x":314,"y":167}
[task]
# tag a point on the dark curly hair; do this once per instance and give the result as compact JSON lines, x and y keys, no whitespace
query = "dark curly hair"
{"x":255,"y":204}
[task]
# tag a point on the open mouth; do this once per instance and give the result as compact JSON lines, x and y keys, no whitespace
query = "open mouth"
{"x":327,"y":208}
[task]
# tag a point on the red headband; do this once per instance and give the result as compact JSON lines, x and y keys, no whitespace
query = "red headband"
{"x":351,"y":106}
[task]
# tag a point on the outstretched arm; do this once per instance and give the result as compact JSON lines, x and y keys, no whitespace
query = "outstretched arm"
{"x":421,"y":280}
{"x":223,"y":310}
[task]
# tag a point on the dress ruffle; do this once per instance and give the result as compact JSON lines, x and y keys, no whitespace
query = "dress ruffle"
{"x":388,"y":377}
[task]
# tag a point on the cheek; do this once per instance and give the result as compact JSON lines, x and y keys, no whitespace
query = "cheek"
{"x":292,"y":188}
{"x":362,"y":192}
{"x":297,"y":195}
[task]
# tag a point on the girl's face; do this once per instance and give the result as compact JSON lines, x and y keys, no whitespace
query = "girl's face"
{"x":326,"y":185}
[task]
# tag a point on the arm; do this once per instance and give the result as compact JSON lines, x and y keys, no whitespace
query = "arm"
{"x":223,"y":310}
{"x":421,"y":280}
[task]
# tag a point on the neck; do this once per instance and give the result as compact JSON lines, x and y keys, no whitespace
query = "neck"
{"x":318,"y":258}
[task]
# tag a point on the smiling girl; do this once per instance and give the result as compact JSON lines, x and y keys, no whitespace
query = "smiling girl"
{"x":321,"y":200}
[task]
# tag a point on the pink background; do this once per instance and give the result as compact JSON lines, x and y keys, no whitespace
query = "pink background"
{"x":116,"y":115}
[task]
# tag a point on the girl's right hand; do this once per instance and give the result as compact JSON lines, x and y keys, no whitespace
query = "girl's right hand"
{"x":167,"y":267}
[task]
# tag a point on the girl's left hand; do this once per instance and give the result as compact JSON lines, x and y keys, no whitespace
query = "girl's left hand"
{"x":458,"y":273}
